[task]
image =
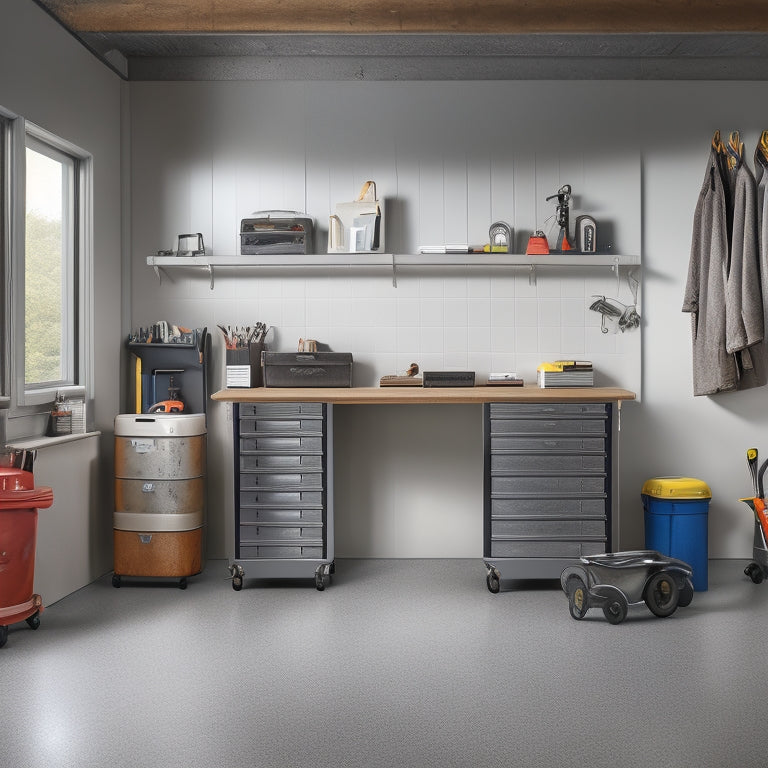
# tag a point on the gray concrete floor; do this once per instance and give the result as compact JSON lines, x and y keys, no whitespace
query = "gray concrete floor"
{"x":396,"y":663}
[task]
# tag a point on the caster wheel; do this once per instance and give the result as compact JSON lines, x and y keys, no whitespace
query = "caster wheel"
{"x":3,"y":636}
{"x":237,"y":583}
{"x":686,"y":594}
{"x":661,"y":594}
{"x":755,"y":572}
{"x":578,"y":597}
{"x":116,"y":581}
{"x":33,"y":620}
{"x":615,"y":608}
{"x":493,"y":581}
{"x":183,"y":583}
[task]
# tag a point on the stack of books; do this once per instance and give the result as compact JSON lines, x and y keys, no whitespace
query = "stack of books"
{"x":565,"y":373}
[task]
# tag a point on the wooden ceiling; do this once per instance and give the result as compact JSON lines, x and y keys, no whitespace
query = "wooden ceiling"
{"x":410,"y":16}
{"x":422,"y":39}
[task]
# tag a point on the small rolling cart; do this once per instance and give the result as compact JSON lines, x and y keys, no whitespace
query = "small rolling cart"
{"x":283,"y":493}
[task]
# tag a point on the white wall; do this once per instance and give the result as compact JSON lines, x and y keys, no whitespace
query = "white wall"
{"x":207,"y":154}
{"x":51,"y":80}
{"x":71,"y":533}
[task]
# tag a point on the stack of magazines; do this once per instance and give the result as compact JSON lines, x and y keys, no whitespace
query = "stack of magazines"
{"x":565,"y":373}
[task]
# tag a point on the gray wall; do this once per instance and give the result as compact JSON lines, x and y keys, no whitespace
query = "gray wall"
{"x":453,"y":157}
{"x":51,"y":80}
{"x":660,"y":129}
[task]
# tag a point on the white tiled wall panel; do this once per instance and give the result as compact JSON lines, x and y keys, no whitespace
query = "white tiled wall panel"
{"x":445,"y":174}
{"x":448,"y":159}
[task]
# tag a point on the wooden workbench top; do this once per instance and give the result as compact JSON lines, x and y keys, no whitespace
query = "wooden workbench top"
{"x":418,"y":395}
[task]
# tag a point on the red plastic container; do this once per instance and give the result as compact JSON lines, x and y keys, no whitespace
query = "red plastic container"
{"x":19,"y":502}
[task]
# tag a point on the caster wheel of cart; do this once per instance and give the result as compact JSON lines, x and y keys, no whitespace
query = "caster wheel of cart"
{"x":116,"y":581}
{"x":183,"y":582}
{"x":686,"y":594}
{"x":755,"y":572}
{"x":33,"y":620}
{"x":493,"y":581}
{"x":661,"y":594}
{"x":237,"y":583}
{"x":578,"y":597}
{"x":615,"y":608}
{"x":323,"y":575}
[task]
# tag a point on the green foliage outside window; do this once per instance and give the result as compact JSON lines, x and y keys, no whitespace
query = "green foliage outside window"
{"x":43,"y":299}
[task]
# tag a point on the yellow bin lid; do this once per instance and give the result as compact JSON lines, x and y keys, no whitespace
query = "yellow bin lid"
{"x":677,"y":488}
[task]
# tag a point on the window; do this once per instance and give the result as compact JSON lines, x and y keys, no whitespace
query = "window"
{"x":50,"y":267}
{"x":48,"y":242}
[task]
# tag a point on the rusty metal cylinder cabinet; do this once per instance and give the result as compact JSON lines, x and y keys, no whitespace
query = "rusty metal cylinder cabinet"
{"x":160,"y":491}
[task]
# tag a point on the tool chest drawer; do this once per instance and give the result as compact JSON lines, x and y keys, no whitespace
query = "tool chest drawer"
{"x":546,"y":485}
{"x":277,"y":445}
{"x":548,"y":426}
{"x":553,"y":462}
{"x":276,"y":410}
{"x":253,"y":515}
{"x":532,"y":548}
{"x":552,"y":528}
{"x":507,"y":410}
{"x":264,"y":549}
{"x":281,"y":462}
{"x":279,"y":481}
{"x":309,"y":533}
{"x":287,"y":427}
{"x":555,"y":443}
{"x":593,"y":506}
{"x":269,"y":498}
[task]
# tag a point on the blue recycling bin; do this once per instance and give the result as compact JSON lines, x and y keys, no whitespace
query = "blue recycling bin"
{"x":676,"y":512}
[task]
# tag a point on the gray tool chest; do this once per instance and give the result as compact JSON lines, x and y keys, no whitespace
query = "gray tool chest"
{"x":548,"y":489}
{"x":283,"y":493}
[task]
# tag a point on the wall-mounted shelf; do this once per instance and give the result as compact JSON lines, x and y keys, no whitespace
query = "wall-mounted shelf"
{"x":391,"y":261}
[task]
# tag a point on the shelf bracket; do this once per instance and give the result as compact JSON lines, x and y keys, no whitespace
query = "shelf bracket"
{"x":394,"y":272}
{"x":209,"y":267}
{"x":615,"y":268}
{"x":158,"y":273}
{"x":532,"y":275}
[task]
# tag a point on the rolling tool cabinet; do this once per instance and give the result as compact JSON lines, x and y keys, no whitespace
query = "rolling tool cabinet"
{"x":548,"y":493}
{"x":283,"y":492}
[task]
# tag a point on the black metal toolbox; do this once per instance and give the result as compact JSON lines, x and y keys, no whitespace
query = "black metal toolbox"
{"x":277,"y":232}
{"x":307,"y":369}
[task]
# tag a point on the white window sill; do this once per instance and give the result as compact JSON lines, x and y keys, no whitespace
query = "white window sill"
{"x":33,"y":443}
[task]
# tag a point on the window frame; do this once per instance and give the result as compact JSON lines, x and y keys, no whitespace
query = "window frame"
{"x":6,"y":197}
{"x":28,"y":400}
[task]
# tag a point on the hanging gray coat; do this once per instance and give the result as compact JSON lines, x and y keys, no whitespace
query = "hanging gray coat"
{"x":723,"y":291}
{"x":714,"y":369}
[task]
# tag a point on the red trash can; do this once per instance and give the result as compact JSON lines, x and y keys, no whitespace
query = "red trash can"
{"x":19,"y":502}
